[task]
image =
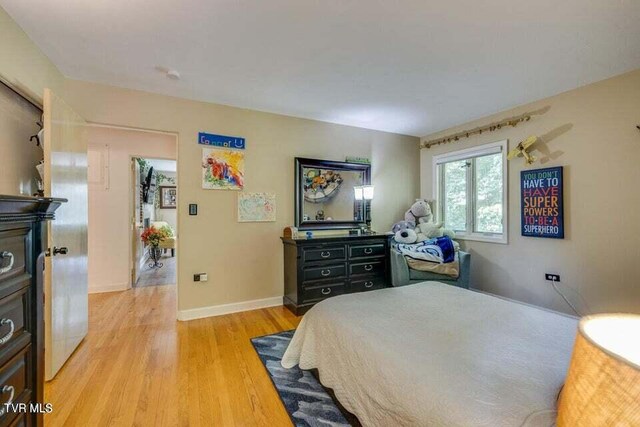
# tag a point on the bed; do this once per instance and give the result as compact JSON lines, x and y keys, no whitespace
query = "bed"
{"x":431,"y":354}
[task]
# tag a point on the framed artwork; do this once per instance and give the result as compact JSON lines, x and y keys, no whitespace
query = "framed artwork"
{"x":222,"y":169}
{"x":256,"y":207}
{"x":168,"y":197}
{"x":542,"y":204}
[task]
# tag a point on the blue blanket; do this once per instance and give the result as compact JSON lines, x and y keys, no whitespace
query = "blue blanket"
{"x":440,"y":250}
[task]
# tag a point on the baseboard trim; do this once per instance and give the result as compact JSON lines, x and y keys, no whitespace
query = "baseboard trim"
{"x":219,"y":310}
{"x":115,"y":287}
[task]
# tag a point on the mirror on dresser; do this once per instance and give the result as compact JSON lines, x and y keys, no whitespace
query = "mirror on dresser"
{"x":325,"y":196}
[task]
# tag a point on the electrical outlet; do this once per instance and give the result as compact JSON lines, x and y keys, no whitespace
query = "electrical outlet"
{"x":552,"y":277}
{"x":200,"y":277}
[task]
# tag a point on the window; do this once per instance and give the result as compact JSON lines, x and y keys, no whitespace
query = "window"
{"x":471,"y":192}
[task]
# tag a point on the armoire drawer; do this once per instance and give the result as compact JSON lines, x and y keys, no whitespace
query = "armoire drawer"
{"x":15,"y":380}
{"x":13,"y":253}
{"x":324,"y":272}
{"x":368,"y":284}
{"x":369,"y":267}
{"x":13,"y":321}
{"x":362,"y":251}
{"x":22,"y":420}
{"x":323,"y":254}
{"x":320,"y":292}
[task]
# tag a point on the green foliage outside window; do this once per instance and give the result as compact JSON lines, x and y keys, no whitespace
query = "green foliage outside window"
{"x":477,"y":182}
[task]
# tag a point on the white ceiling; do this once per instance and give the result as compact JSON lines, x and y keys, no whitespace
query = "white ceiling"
{"x":410,"y":67}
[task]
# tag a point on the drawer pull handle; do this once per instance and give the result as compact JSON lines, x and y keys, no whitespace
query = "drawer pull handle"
{"x":3,"y":255}
{"x":7,"y":389}
{"x":325,"y":291}
{"x":8,"y":336}
{"x":368,"y":267}
{"x":325,"y":254}
{"x":368,"y":284}
{"x":368,"y":251}
{"x":325,"y":273}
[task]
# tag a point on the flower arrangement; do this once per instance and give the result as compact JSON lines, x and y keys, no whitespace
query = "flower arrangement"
{"x":152,"y":236}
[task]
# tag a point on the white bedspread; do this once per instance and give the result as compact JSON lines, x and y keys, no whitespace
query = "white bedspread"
{"x":432,"y":354}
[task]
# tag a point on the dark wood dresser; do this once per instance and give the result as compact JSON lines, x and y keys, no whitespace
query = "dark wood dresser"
{"x":21,"y":307}
{"x":322,"y":267}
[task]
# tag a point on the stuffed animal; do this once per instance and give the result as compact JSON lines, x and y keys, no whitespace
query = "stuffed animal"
{"x":406,"y":235}
{"x":401,"y":225}
{"x":419,"y":212}
{"x":431,"y":230}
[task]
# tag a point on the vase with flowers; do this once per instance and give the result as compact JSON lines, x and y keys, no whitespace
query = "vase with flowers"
{"x":152,"y":237}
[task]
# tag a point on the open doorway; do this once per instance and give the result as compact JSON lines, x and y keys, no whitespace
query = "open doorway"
{"x":114,"y":190}
{"x":154,"y":215}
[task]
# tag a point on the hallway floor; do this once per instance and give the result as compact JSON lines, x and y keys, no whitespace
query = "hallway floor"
{"x":165,"y":275}
{"x":139,"y":366}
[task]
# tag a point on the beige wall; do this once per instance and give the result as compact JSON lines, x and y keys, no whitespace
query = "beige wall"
{"x":591,"y":131}
{"x":110,"y":200}
{"x":244,"y":261}
{"x":26,"y":69}
{"x":22,"y":64}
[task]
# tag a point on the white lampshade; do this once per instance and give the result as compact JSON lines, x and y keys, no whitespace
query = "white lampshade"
{"x":603,"y":383}
{"x":367,"y":191}
{"x":359,"y":192}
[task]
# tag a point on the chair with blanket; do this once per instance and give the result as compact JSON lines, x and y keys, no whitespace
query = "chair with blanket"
{"x":402,"y":275}
{"x":169,"y":242}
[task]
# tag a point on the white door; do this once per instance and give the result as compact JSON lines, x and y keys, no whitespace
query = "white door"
{"x":137,"y":248}
{"x":66,"y":285}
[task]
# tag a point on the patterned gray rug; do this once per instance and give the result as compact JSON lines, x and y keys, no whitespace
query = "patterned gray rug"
{"x":305,"y":399}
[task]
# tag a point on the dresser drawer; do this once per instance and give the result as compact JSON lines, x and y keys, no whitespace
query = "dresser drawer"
{"x":361,"y":251}
{"x":324,"y":254}
{"x":14,"y":381}
{"x":13,"y":252}
{"x":22,"y":420}
{"x":369,"y":267}
{"x":324,"y":272}
{"x":13,"y":320}
{"x":368,"y":284}
{"x":320,"y":292}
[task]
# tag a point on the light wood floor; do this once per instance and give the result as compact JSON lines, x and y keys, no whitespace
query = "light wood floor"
{"x":139,"y":366}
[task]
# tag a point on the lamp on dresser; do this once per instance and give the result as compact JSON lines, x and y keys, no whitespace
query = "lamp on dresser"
{"x":364,"y":195}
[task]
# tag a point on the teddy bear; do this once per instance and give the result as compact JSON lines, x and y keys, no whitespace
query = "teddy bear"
{"x":433,"y":230}
{"x":419,"y":212}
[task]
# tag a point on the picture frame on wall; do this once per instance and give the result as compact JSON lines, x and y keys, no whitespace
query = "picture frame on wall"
{"x":168,"y":197}
{"x":542,"y":203}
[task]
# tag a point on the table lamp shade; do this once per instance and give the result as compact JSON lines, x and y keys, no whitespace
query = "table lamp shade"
{"x":603,"y":383}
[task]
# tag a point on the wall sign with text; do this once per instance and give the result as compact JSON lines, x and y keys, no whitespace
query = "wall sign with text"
{"x":221,"y":140}
{"x":541,"y":203}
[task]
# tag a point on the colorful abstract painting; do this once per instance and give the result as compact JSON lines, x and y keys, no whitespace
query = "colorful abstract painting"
{"x":256,"y":207}
{"x":222,"y":169}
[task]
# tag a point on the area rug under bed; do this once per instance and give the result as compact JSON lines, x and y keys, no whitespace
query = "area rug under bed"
{"x":305,"y":399}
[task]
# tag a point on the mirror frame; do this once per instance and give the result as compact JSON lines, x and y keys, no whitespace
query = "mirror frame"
{"x":300,"y":164}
